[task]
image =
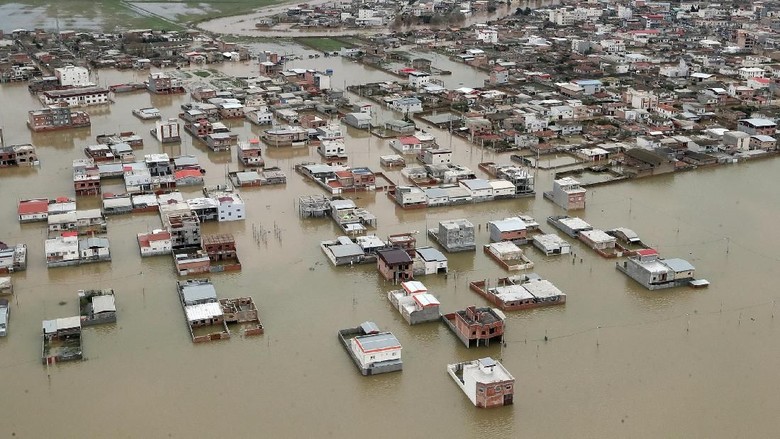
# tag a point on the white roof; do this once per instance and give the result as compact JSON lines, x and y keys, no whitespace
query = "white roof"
{"x":509,"y":224}
{"x":203,"y":311}
{"x":575,"y":223}
{"x":414,"y":287}
{"x":426,"y":299}
{"x":52,"y":326}
{"x":104,"y":303}
{"x":597,"y":236}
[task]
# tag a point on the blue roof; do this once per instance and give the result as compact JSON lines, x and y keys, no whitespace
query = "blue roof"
{"x":587,"y":82}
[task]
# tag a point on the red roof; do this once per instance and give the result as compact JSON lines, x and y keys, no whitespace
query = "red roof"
{"x":646,"y":252}
{"x":409,"y":140}
{"x":183,"y":173}
{"x":33,"y":206}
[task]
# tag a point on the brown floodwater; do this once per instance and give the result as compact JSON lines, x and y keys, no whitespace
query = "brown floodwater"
{"x":670,"y":363}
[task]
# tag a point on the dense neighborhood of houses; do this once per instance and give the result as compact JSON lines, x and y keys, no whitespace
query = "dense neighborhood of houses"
{"x":623,"y":90}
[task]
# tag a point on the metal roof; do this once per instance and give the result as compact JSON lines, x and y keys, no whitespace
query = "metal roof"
{"x":431,"y":254}
{"x":194,"y":293}
{"x":345,"y":250}
{"x":508,"y":224}
{"x":103,"y":303}
{"x":377,"y":342}
{"x":678,"y":265}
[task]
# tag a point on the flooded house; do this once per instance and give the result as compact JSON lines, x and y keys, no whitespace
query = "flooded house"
{"x":18,"y":155}
{"x":415,"y":303}
{"x":519,"y":292}
{"x":61,"y":340}
{"x":603,"y":243}
{"x":128,"y":137}
{"x":395,"y":265}
{"x":205,"y":318}
{"x":250,"y":154}
{"x":13,"y":257}
{"x":221,"y":251}
{"x":85,"y":222}
{"x":567,"y":193}
{"x":350,"y":218}
{"x":551,"y":244}
{"x":568,"y":225}
{"x":154,"y":243}
{"x":508,"y":255}
{"x":97,"y":307}
{"x":184,"y":227}
{"x":191,"y":261}
{"x":410,"y":197}
{"x":147,"y":113}
{"x":285,"y":136}
{"x":455,"y":235}
{"x":221,"y":141}
{"x":36,"y":209}
{"x":654,"y":273}
{"x":485,"y":382}
{"x":86,"y":178}
{"x":332,"y":149}
{"x":163,"y":83}
{"x":57,"y":117}
{"x":6,"y":286}
{"x":76,"y":97}
{"x":243,"y":312}
{"x":372,"y":350}
{"x":167,"y":131}
{"x":509,"y":229}
{"x":4,"y":315}
{"x":428,"y":260}
{"x":476,"y":326}
{"x":94,"y":249}
{"x":345,"y":251}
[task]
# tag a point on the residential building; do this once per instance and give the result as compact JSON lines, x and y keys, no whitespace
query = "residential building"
{"x":455,"y":235}
{"x":485,"y":382}
{"x":76,"y":97}
{"x":72,"y":76}
{"x":567,"y":193}
{"x":372,"y":350}
{"x":415,"y":303}
{"x":757,"y":126}
{"x":395,"y":265}
{"x":509,"y":229}
{"x":156,"y":242}
{"x":476,"y":326}
{"x":652,"y":272}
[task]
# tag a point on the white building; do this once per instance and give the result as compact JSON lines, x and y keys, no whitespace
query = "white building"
{"x":437,"y":156}
{"x":156,"y":242}
{"x":486,"y":34}
{"x":62,"y":250}
{"x":485,"y":382}
{"x":72,"y":76}
{"x":231,"y":206}
{"x":375,"y":348}
{"x":406,"y":105}
{"x":751,"y":72}
{"x":479,"y":189}
{"x":568,"y":194}
{"x":433,"y":261}
{"x":419,"y":79}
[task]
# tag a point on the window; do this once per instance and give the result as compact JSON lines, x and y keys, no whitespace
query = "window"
{"x":498,"y":388}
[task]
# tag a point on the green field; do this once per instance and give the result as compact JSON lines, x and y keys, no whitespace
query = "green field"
{"x":323,"y":44}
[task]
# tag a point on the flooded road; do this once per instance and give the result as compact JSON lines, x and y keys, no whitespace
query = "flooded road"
{"x":670,"y":363}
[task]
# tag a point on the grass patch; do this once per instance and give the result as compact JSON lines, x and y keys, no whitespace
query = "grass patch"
{"x":323,"y":44}
{"x":202,"y":73}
